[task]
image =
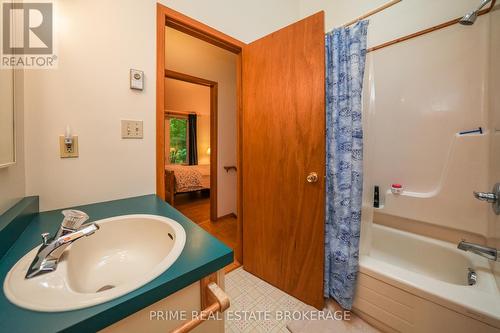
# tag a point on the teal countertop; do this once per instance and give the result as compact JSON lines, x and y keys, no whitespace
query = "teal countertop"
{"x":202,"y":255}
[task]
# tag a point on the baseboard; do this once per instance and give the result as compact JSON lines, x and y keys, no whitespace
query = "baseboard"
{"x":226,"y":216}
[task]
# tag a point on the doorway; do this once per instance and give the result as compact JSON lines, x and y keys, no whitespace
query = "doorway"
{"x":187,"y":57}
{"x":191,"y":144}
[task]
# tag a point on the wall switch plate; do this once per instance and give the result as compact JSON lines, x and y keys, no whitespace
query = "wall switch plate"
{"x":132,"y":129}
{"x":136,"y":79}
{"x":68,"y":151}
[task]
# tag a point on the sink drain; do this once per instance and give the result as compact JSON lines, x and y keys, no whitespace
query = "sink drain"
{"x":106,"y":287}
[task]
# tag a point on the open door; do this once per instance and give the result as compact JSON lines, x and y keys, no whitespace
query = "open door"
{"x":284,"y":158}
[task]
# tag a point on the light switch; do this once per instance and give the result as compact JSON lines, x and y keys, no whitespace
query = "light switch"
{"x":132,"y":129}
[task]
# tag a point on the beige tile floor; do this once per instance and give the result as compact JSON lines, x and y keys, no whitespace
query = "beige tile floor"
{"x":249,"y":295}
{"x":262,"y":305}
{"x":354,"y":325}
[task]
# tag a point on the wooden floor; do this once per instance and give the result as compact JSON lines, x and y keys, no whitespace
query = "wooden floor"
{"x":196,"y":206}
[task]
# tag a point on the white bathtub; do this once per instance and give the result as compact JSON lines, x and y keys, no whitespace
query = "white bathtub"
{"x":411,"y":283}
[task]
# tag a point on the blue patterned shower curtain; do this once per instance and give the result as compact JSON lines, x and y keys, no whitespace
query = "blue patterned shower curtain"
{"x":345,"y":65}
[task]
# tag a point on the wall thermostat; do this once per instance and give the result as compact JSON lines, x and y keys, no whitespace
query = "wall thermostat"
{"x":136,"y":79}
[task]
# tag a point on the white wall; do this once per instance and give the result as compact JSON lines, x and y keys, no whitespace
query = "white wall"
{"x":90,"y":92}
{"x":494,"y":121}
{"x":12,"y":178}
{"x":188,"y":97}
{"x":98,"y":42}
{"x":189,"y":55}
{"x":494,"y":127}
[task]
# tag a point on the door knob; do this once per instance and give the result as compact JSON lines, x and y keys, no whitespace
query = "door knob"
{"x":492,"y":197}
{"x":312,"y":177}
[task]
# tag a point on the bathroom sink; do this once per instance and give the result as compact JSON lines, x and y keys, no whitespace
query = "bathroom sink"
{"x":124,"y":254}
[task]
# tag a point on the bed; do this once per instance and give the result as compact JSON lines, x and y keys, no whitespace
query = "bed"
{"x":185,"y":178}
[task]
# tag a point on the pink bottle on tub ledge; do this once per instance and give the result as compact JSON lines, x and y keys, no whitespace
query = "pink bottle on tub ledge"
{"x":396,"y":188}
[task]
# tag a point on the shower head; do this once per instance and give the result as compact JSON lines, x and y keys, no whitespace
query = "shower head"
{"x":471,"y":17}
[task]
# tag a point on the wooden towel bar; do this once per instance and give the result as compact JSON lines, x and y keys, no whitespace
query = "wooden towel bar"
{"x":219,"y":303}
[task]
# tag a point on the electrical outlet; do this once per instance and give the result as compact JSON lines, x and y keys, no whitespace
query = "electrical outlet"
{"x":132,"y":129}
{"x":66,"y":150}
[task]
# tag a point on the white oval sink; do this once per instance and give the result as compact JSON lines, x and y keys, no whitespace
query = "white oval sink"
{"x":124,"y":254}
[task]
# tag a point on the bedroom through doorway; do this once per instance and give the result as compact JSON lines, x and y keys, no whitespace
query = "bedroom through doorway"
{"x":190,"y":134}
{"x":200,"y":134}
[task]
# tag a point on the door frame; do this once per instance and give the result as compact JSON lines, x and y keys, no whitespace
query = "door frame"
{"x":171,"y":18}
{"x":213,"y":86}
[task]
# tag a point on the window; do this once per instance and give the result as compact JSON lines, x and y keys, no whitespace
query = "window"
{"x":178,"y":140}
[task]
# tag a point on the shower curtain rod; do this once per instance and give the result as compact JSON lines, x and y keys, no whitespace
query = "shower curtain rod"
{"x":372,"y":12}
{"x":426,"y":31}
{"x":415,"y":34}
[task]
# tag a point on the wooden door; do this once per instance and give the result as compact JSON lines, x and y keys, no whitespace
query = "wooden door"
{"x":283,"y":142}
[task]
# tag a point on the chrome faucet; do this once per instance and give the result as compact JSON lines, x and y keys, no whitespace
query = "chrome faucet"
{"x":50,"y":252}
{"x":492,"y":197}
{"x":484,"y":251}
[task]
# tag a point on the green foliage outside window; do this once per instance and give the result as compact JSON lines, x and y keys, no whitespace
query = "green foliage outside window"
{"x":178,"y":141}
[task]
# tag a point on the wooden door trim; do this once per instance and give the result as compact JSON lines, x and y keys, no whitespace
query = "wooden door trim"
{"x":183,"y":23}
{"x":169,"y":17}
{"x":213,"y":86}
{"x":189,"y":78}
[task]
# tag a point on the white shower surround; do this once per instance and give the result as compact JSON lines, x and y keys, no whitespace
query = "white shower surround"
{"x":415,"y":110}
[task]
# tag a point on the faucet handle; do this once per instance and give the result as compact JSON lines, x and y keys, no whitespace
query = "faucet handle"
{"x":73,"y":219}
{"x":45,"y":237}
{"x":492,"y":197}
{"x":486,"y":196}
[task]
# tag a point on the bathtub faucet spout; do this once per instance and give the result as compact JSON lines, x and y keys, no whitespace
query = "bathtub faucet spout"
{"x":484,"y":251}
